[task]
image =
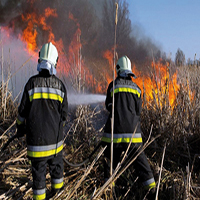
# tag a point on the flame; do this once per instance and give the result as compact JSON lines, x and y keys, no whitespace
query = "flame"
{"x":75,"y":45}
{"x":83,"y":76}
{"x":34,"y":21}
{"x":109,"y":56}
{"x":70,"y":64}
{"x":160,"y":86}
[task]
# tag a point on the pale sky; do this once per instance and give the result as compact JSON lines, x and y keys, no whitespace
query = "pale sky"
{"x":172,"y":24}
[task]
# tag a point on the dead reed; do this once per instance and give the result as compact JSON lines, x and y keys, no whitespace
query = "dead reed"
{"x":174,"y":155}
{"x":179,"y":127}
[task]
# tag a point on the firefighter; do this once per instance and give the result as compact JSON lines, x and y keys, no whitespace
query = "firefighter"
{"x":41,"y":113}
{"x":127,"y":109}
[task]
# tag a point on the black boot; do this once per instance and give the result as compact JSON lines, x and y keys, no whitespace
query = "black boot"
{"x":54,"y":192}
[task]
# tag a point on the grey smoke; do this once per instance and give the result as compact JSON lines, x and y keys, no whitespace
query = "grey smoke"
{"x":85,"y":99}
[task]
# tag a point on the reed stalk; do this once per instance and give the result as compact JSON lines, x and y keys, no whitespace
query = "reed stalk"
{"x":113,"y":98}
{"x":158,"y":186}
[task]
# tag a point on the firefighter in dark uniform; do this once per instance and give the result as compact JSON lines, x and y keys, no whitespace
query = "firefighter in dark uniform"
{"x":127,"y":109}
{"x":41,"y":113}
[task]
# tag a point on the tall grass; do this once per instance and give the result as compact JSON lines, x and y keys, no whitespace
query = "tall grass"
{"x":179,"y":128}
{"x":173,"y":151}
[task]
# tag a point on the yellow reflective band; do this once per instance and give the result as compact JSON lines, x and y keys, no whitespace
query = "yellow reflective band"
{"x":152,"y":185}
{"x":130,"y":90}
{"x":40,"y":154}
{"x":57,"y":185}
{"x":46,"y":96}
{"x":122,"y":140}
{"x":19,"y":122}
{"x":39,"y":196}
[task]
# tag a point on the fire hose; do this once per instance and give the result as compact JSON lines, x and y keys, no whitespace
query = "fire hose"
{"x":85,"y":161}
{"x":66,"y":161}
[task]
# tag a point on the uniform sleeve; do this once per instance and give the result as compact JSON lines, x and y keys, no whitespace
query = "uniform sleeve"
{"x":23,"y":111}
{"x":64,"y":106}
{"x":108,"y":101}
{"x":24,"y":106}
{"x":139,"y":104}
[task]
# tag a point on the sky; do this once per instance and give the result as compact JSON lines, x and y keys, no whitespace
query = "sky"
{"x":171,"y":24}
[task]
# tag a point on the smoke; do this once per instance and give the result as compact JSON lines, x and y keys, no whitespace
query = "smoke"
{"x":85,"y":99}
{"x":17,"y":14}
{"x":9,"y":10}
{"x":95,"y":21}
{"x":94,"y":17}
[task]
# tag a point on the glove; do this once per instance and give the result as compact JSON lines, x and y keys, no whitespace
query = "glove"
{"x":21,"y":130}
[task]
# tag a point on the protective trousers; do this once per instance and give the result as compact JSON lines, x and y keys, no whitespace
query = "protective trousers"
{"x":39,"y":167}
{"x":141,"y":164}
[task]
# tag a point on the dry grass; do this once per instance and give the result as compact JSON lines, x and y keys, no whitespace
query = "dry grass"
{"x":15,"y":173}
{"x":176,"y":165}
{"x":179,"y":127}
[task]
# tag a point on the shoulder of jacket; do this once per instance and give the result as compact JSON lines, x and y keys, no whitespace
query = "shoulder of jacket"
{"x":31,"y":79}
{"x":59,"y":81}
{"x":110,"y":84}
{"x":136,"y":85}
{"x":55,"y":77}
{"x":127,"y":82}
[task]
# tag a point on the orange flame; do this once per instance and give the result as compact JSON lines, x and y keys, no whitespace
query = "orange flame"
{"x":156,"y":86}
{"x":109,"y":56}
{"x":30,"y":33}
{"x":160,"y":85}
{"x":75,"y":45}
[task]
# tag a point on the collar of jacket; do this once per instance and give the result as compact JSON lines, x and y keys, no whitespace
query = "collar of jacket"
{"x":126,"y":74}
{"x":44,"y":64}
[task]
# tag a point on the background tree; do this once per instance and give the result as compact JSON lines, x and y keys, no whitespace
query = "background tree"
{"x":179,"y":58}
{"x":108,"y":23}
{"x":130,"y":42}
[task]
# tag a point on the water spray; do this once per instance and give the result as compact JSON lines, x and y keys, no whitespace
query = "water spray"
{"x":85,"y":99}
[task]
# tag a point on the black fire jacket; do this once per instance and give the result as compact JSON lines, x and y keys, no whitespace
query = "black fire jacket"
{"x":43,"y":108}
{"x":127,"y":109}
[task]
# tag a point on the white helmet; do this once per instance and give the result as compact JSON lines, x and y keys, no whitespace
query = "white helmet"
{"x":123,"y":64}
{"x":123,"y":67}
{"x":49,"y":53}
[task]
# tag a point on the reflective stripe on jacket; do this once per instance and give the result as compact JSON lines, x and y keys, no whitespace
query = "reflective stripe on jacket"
{"x":44,"y":151}
{"x":43,"y":107}
{"x":127,"y":110}
{"x":149,"y":183}
{"x":126,"y":88}
{"x":46,"y":93}
{"x":122,"y":138}
{"x":20,"y":120}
